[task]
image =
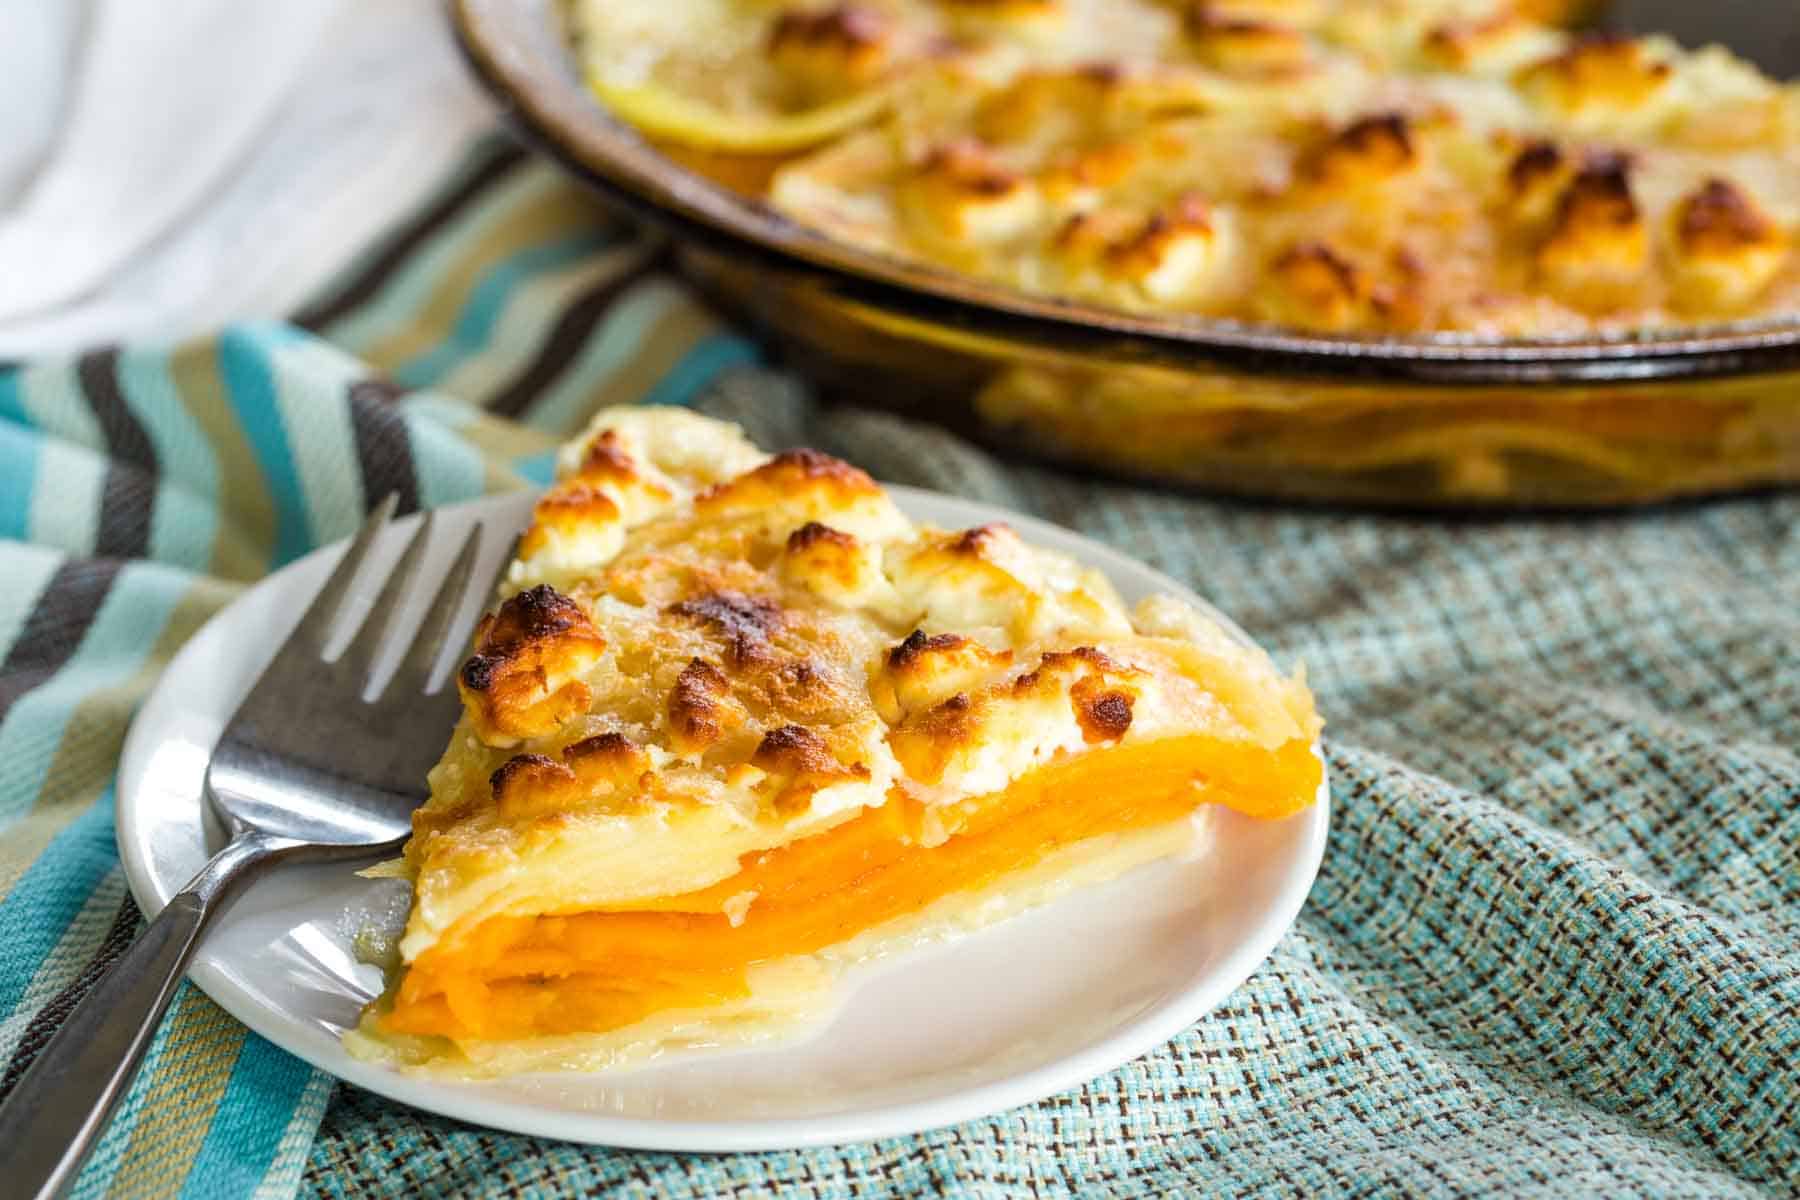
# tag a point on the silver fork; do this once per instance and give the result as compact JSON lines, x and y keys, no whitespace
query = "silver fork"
{"x":307,"y":768}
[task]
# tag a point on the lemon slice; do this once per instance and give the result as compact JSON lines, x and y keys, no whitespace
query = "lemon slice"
{"x":670,"y":116}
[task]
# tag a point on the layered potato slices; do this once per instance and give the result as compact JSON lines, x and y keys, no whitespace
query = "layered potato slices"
{"x":1339,"y":166}
{"x":737,"y":722}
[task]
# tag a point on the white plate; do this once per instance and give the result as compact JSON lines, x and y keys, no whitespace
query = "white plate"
{"x":946,"y":1033}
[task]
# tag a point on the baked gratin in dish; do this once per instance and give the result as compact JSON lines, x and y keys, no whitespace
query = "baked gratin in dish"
{"x":1335,"y":166}
{"x":1442,"y":253}
{"x":738,"y":723}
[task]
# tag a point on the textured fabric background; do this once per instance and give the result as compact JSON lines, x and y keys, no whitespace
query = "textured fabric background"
{"x":1555,"y":948}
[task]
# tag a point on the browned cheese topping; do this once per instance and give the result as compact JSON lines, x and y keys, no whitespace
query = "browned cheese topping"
{"x":1342,"y":166}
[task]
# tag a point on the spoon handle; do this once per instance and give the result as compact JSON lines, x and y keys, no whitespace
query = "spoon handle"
{"x":59,"y":1107}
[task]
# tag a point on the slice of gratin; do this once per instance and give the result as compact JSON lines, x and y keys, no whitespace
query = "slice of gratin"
{"x":738,"y":722}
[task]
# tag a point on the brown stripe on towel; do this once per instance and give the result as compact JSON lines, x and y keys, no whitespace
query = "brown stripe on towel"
{"x":128,"y":493}
{"x":57,"y":625}
{"x":490,"y":162}
{"x":383,"y":447}
{"x":570,"y":335}
{"x":47,"y":1020}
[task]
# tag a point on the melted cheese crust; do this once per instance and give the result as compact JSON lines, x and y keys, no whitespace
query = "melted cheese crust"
{"x":1352,"y":166}
{"x":703,"y":651}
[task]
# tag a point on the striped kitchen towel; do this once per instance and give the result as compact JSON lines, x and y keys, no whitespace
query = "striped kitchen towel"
{"x":1555,"y":948}
{"x":141,"y":488}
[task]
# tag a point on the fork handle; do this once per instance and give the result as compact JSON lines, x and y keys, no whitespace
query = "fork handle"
{"x":59,"y":1107}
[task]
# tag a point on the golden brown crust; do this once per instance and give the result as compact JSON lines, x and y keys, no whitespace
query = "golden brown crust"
{"x":1083,"y":686}
{"x":817,"y":549}
{"x":799,"y":762}
{"x":564,"y":510}
{"x":924,"y":743}
{"x":1464,"y":43}
{"x":966,"y":167}
{"x":1599,"y":242}
{"x":584,"y":514}
{"x":1608,"y":70}
{"x":606,"y":460}
{"x":962,"y":193}
{"x":921,"y":671}
{"x":832,"y":565}
{"x":1539,"y":161}
{"x":606,"y":748}
{"x":847,"y":27}
{"x":1372,"y":149}
{"x":790,"y":474}
{"x":908,"y":656}
{"x":1239,"y":43}
{"x":604,"y":770}
{"x":524,"y":678}
{"x":1104,"y":713}
{"x":742,"y":624}
{"x":831,"y":52}
{"x":521,"y":780}
{"x":698,"y":707}
{"x":814,"y":534}
{"x":1721,"y":219}
{"x":1537,"y":174}
{"x":797,"y":750}
{"x":1599,"y":202}
{"x":1154,"y":254}
{"x":1079,"y":662}
{"x":1727,"y":248}
{"x":1316,"y":286}
{"x":978,"y":541}
{"x":1078,"y":171}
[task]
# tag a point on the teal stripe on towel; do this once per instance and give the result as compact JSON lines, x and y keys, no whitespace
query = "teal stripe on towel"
{"x":250,"y":1121}
{"x":18,"y":476}
{"x":488,"y":300}
{"x":121,"y":637}
{"x":249,"y":378}
{"x":702,"y":364}
{"x":51,"y":892}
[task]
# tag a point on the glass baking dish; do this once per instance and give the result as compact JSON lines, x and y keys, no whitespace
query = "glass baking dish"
{"x":1435,"y":421}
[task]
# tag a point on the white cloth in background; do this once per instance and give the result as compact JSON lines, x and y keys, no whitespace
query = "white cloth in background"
{"x":34,"y":58}
{"x":170,"y":166}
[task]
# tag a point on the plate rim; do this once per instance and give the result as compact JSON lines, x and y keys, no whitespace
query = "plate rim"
{"x":957,"y":1105}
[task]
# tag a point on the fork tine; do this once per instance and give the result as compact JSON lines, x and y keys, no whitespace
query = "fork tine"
{"x":379,"y":624}
{"x":314,"y":629}
{"x":441,"y":621}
